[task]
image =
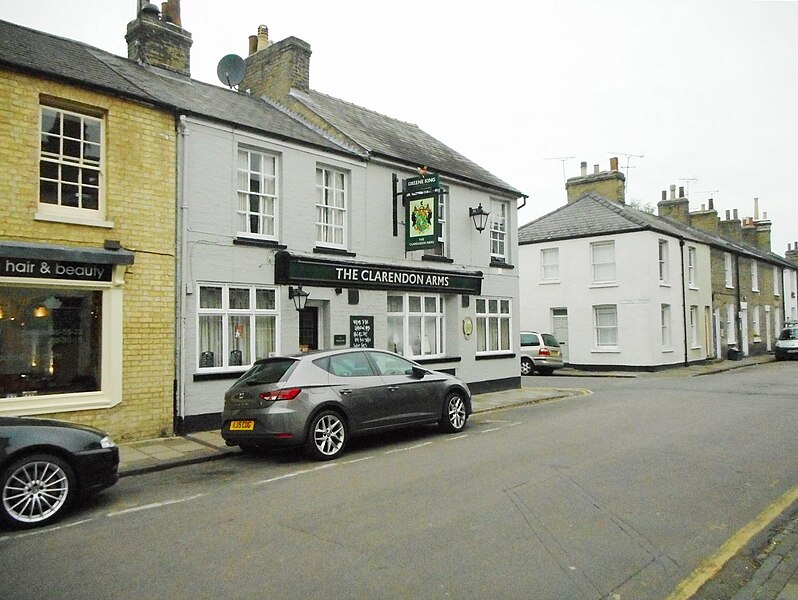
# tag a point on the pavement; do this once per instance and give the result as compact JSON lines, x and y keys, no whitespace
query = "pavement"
{"x":771,"y":567}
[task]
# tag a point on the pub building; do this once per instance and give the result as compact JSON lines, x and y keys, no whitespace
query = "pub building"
{"x":384,"y":237}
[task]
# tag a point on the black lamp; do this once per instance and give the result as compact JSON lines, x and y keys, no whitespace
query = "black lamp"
{"x":480,"y":217}
{"x":299,"y":296}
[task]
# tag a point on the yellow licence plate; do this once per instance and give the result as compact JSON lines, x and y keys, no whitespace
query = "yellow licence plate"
{"x":242,"y":425}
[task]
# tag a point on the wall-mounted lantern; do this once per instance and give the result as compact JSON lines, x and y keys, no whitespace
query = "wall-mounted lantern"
{"x":480,"y":217}
{"x":299,"y":296}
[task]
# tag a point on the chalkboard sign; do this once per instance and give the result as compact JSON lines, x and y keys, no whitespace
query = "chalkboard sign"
{"x":361,"y":331}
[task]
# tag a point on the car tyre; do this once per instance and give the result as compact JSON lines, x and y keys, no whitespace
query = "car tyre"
{"x":36,"y":490}
{"x":527,"y":367}
{"x":454,"y":413}
{"x":327,"y":435}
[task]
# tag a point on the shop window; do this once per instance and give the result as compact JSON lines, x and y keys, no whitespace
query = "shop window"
{"x":493,"y":325}
{"x":331,"y":206}
{"x":257,"y":194}
{"x":415,"y":325}
{"x":70,"y":166}
{"x":236,"y":325}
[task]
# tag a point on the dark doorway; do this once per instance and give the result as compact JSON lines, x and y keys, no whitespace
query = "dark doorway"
{"x":309,"y":328}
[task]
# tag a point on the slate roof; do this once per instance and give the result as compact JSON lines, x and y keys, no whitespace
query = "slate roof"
{"x":39,"y":53}
{"x":594,"y":215}
{"x":397,"y":140}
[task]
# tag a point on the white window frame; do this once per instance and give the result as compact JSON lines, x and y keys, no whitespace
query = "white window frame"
{"x":727,"y":263}
{"x":110,"y":392}
{"x":665,"y":320}
{"x":226,"y":313}
{"x":664,"y":263}
{"x":550,"y":265}
{"x":267,"y":219}
{"x":605,"y":331}
{"x":430,"y":348}
{"x":442,"y":247}
{"x":754,"y":275}
{"x":692,"y":266}
{"x":499,"y":214}
{"x":493,"y":316}
{"x":600,"y":264}
{"x":694,"y":327}
{"x":59,"y":212}
{"x":332,"y":204}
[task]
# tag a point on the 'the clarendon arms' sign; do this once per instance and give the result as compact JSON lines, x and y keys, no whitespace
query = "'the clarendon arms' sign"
{"x":295,"y":269}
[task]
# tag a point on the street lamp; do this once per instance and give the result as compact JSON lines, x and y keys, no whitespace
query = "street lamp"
{"x":299,"y":296}
{"x":480,"y":217}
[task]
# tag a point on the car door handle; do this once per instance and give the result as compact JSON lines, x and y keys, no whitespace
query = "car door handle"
{"x":345,"y":391}
{"x":393,"y":388}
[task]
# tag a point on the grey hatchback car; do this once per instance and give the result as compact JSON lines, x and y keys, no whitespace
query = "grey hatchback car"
{"x":320,"y":399}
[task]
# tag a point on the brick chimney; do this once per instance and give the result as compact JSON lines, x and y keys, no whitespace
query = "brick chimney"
{"x":275,"y":68}
{"x":675,"y":208}
{"x":705,"y":219}
{"x":609,"y":184}
{"x":731,"y":227}
{"x":157,"y":39}
{"x":792,"y":253}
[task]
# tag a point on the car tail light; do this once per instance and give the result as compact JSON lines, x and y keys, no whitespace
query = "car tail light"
{"x":544,"y":352}
{"x":287,"y":394}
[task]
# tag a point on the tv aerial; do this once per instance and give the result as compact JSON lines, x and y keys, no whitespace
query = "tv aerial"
{"x":231,"y":70}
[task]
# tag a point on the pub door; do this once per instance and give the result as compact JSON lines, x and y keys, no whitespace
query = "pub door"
{"x":309,"y":328}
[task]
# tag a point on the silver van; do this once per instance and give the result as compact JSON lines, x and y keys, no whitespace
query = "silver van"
{"x":540,"y":352}
{"x":787,"y":344}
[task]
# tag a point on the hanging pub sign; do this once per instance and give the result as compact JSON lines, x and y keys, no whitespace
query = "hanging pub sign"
{"x":421,"y":211}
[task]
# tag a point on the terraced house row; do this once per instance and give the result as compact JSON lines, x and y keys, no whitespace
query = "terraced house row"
{"x":161,"y":233}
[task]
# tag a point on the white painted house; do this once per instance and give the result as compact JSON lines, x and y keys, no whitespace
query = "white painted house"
{"x":302,"y":193}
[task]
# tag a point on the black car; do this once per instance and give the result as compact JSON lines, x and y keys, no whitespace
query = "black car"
{"x":46,"y":464}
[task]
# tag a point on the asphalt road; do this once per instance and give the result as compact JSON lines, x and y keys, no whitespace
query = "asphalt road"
{"x":619,"y":494}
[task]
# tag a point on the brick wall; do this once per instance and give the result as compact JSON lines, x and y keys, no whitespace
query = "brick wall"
{"x":140,"y":200}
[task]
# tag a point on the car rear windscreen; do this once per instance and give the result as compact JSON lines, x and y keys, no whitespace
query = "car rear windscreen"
{"x":268,"y":371}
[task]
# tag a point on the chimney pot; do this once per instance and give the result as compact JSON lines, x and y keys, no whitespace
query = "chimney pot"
{"x":735,"y":214}
{"x":728,"y":215}
{"x":664,"y":195}
{"x":614,"y":163}
{"x":263,"y":37}
{"x":595,"y":169}
{"x":681,"y":192}
{"x":253,"y":44}
{"x":703,"y":207}
{"x":711,"y":204}
{"x":764,"y":216}
{"x":673,"y":192}
{"x":583,"y":167}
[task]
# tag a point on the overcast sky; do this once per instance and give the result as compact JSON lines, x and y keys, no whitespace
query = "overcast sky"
{"x":697,"y":93}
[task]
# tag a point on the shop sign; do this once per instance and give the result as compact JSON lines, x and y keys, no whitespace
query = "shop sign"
{"x":421,"y":211}
{"x":54,"y":269}
{"x":292,"y":269}
{"x":361,"y":331}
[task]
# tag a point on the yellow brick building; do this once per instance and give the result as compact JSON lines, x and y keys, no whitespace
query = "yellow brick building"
{"x":87,"y":253}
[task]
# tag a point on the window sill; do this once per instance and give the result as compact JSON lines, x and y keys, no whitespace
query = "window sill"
{"x":218,"y":375}
{"x":436,"y":258}
{"x":247,"y":241}
{"x":693,"y":288}
{"x":500,"y":264}
{"x":55,"y":403}
{"x":437,"y":359}
{"x":550,"y":282}
{"x":495,"y":356}
{"x":664,"y":284}
{"x":610,"y":284}
{"x":73,"y":220}
{"x":336,"y":251}
{"x":611,"y":350}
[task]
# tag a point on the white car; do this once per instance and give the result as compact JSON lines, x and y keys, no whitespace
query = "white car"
{"x":787,"y":344}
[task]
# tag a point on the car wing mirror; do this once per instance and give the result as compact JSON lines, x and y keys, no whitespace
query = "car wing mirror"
{"x":418,"y":372}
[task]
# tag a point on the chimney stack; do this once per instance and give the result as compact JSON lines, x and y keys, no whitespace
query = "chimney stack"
{"x":275,"y":68}
{"x":158,"y":40}
{"x":674,"y":208}
{"x":609,"y":184}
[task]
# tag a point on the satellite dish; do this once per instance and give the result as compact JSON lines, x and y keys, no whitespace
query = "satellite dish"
{"x":231,"y":70}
